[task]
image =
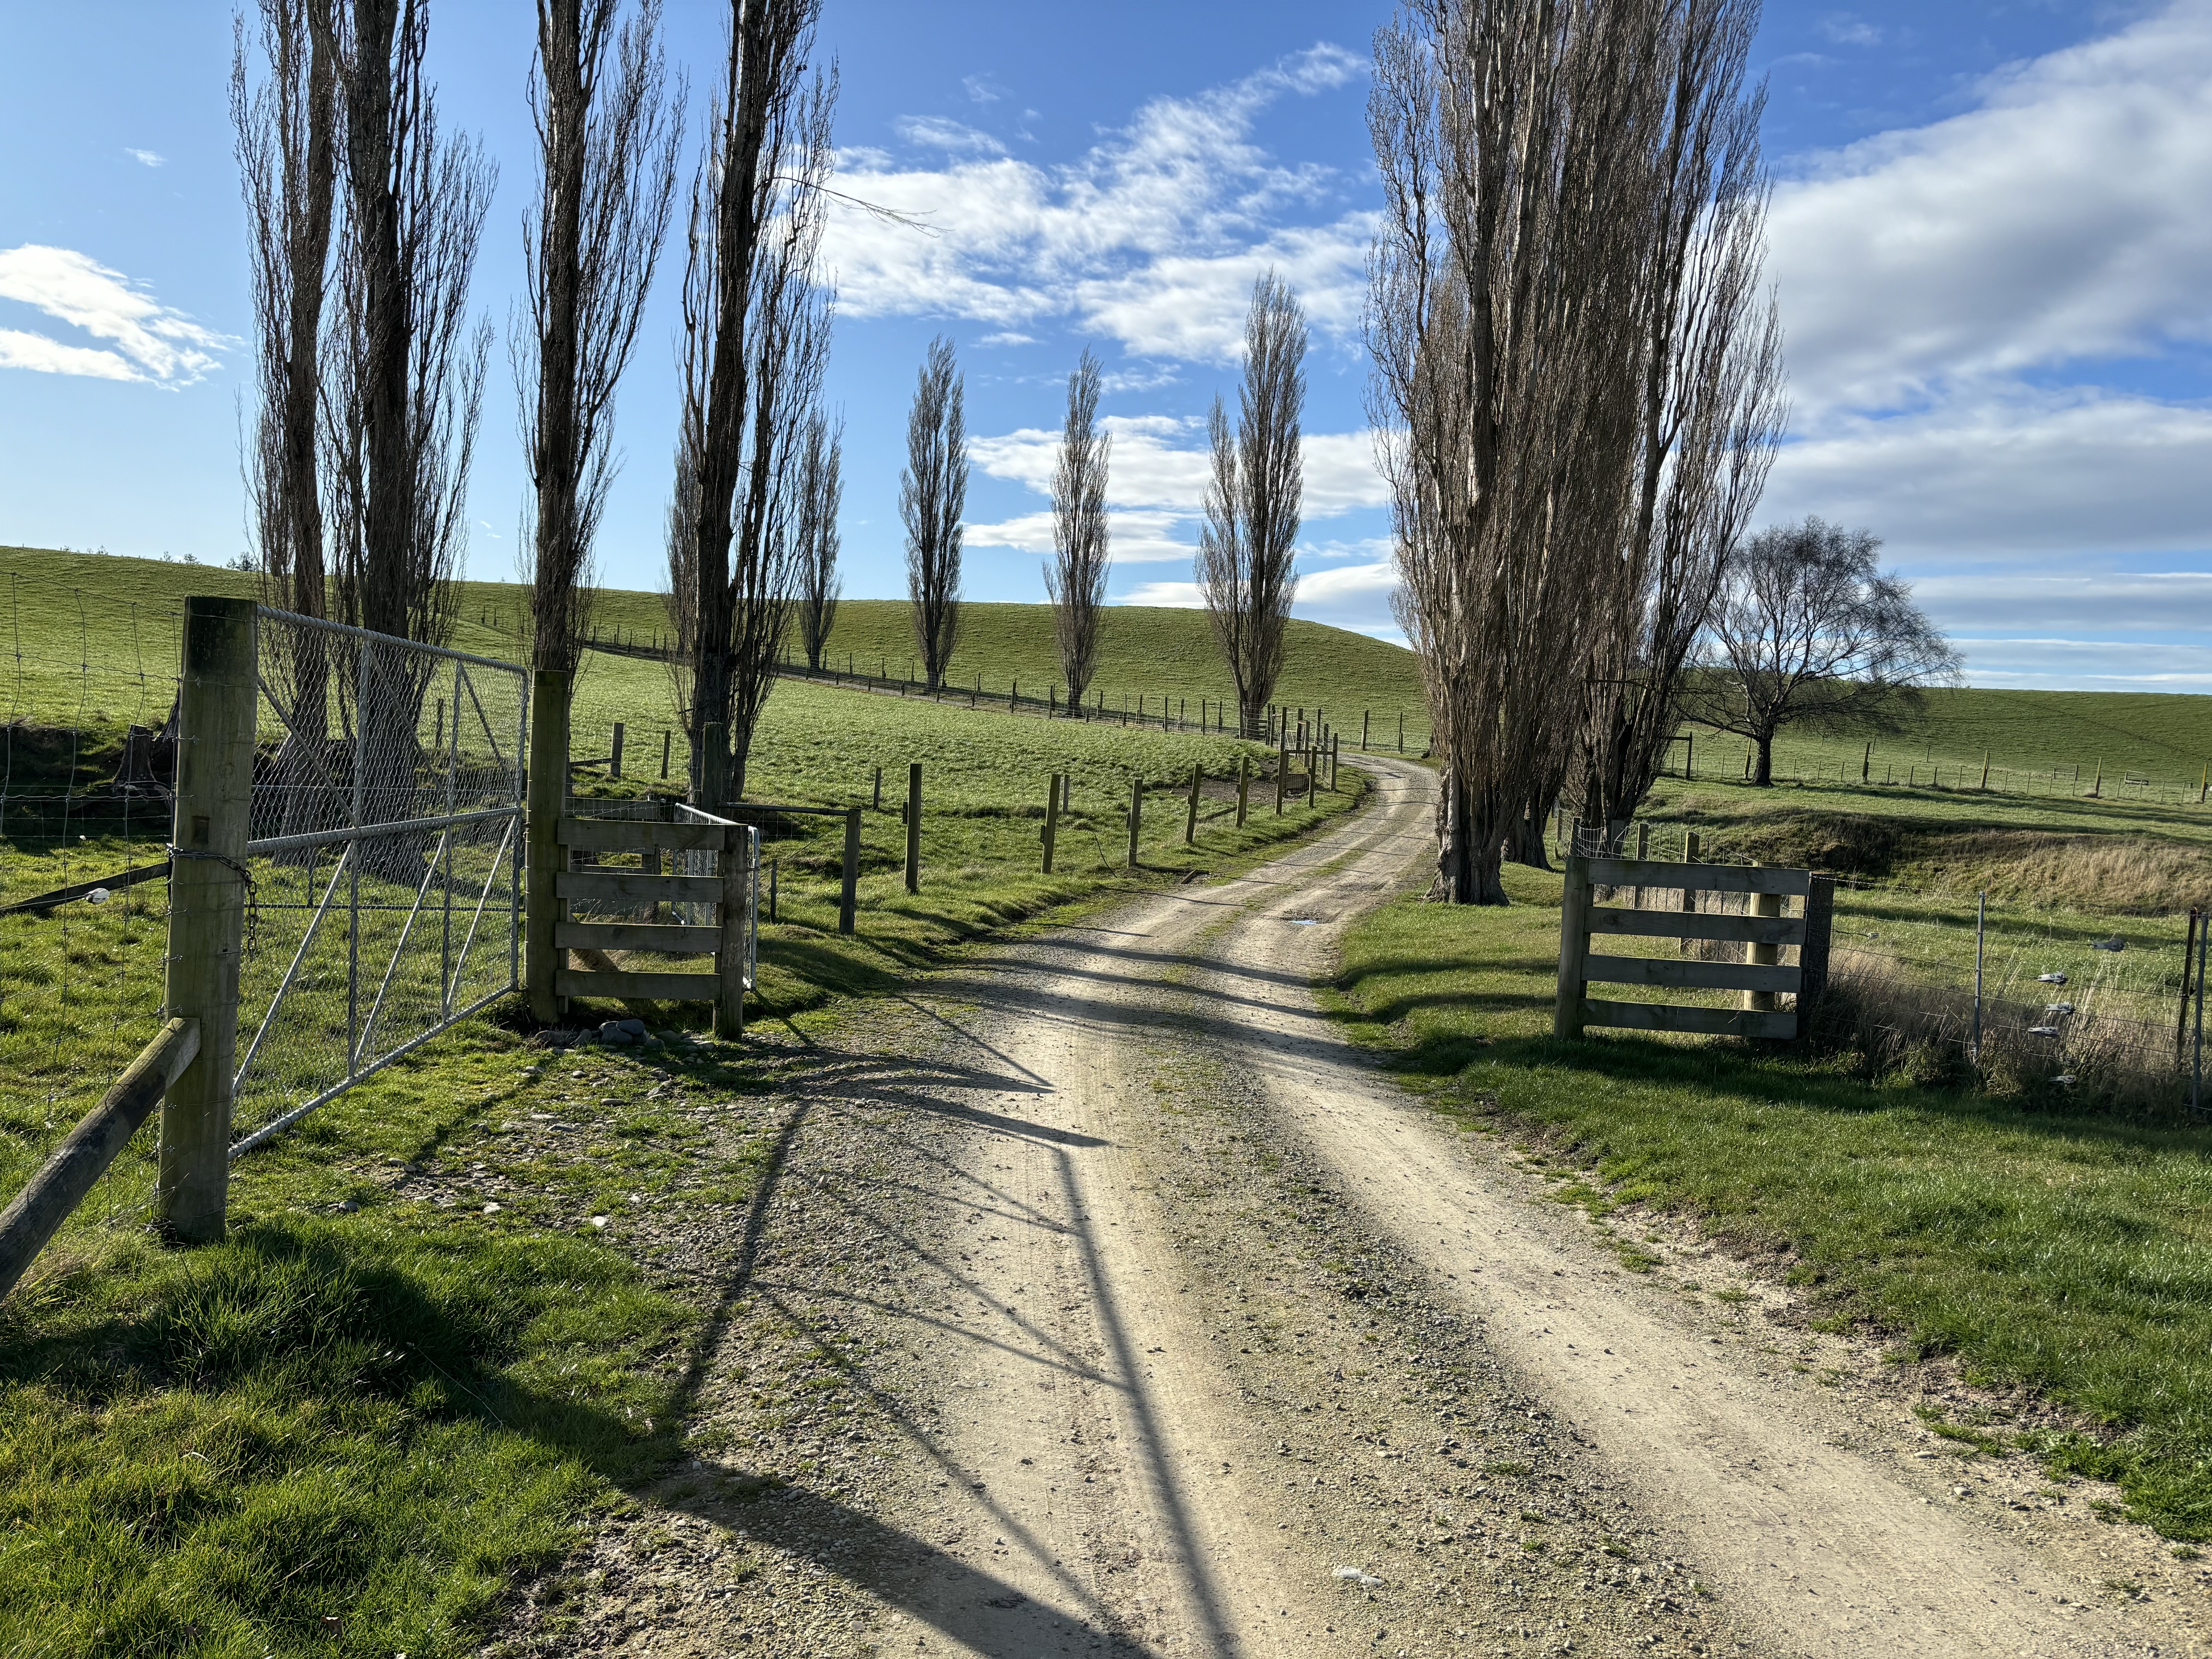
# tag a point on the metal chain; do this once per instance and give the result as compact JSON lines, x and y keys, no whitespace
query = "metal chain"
{"x":253,"y":897}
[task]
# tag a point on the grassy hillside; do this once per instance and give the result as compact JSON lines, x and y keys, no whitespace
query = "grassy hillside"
{"x":68,"y":609}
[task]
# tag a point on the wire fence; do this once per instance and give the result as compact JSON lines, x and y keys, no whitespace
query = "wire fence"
{"x":88,"y":699}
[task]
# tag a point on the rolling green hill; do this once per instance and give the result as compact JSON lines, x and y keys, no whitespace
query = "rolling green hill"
{"x":60,"y":610}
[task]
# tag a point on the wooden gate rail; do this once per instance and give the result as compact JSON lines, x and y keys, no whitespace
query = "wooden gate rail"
{"x":726,"y":940}
{"x":1765,"y":932}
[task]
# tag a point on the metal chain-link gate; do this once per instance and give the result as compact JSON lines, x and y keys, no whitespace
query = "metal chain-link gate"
{"x":385,"y":862}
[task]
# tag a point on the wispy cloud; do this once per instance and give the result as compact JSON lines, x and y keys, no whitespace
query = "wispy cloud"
{"x":1846,"y":30}
{"x":146,"y":157}
{"x":1152,"y":237}
{"x":149,"y":341}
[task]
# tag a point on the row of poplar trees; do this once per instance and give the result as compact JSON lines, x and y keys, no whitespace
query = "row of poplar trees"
{"x":365,"y":218}
{"x":1578,"y":380}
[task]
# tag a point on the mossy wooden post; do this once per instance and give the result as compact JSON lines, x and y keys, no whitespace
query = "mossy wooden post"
{"x":548,"y":783}
{"x":1051,"y":819}
{"x":1574,"y":948}
{"x":1244,"y":787}
{"x":849,"y":894}
{"x":1690,"y":850}
{"x":216,"y":711}
{"x":1763,"y":956}
{"x":1136,"y":817}
{"x":913,"y":827}
{"x":730,"y":955}
{"x":1190,"y":824}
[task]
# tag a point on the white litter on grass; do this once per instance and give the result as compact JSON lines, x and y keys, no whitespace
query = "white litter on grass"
{"x":598,"y":1221}
{"x":2043,"y":1030}
{"x":1358,"y":1576}
{"x":97,"y":896}
{"x":2050,"y":979}
{"x":2058,"y":1007}
{"x":2115,"y":945}
{"x":491,"y":1209}
{"x":2066,"y":1079}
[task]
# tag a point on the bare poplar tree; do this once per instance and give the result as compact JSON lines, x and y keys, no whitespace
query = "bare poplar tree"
{"x":287,"y":163}
{"x":755,"y":337}
{"x":1810,"y":631}
{"x":403,"y":386}
{"x":933,"y":498}
{"x":1512,"y":137}
{"x":1076,"y":578}
{"x":1710,"y":401}
{"x":821,"y":493}
{"x":404,"y":378}
{"x":286,"y":128}
{"x":1255,"y":501}
{"x":606,"y":183}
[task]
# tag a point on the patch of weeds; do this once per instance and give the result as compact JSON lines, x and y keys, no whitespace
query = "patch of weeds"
{"x":1975,"y":1441}
{"x":1506,"y":1468}
{"x":1635,"y":1260}
{"x":1731,"y":1293}
{"x":1613,"y":1546}
{"x":2186,"y":1552}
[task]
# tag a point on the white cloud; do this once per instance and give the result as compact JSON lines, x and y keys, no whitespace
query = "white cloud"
{"x":2003,"y":474}
{"x":1179,"y":595}
{"x":2097,"y":602}
{"x":2062,"y":220}
{"x":981,"y":90}
{"x":1161,"y":460}
{"x":2087,"y":664}
{"x":1006,"y":338}
{"x":1846,"y":30}
{"x":1153,"y":236}
{"x":145,"y":157}
{"x":152,"y":343}
{"x":936,"y":132}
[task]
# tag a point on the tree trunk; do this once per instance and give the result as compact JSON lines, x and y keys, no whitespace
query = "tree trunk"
{"x":1470,"y":843}
{"x":1762,"y":776}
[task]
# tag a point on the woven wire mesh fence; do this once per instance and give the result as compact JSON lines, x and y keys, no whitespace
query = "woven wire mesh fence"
{"x":88,"y":695}
{"x":386,"y":856}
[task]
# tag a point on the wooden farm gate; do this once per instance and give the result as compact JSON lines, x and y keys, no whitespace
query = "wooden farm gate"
{"x":1762,"y":977}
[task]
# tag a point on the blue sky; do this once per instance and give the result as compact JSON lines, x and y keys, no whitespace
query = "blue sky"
{"x":1990,"y":241}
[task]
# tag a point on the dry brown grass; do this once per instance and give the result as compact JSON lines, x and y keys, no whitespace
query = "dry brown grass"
{"x":2106,"y":875}
{"x":1901,"y":1025}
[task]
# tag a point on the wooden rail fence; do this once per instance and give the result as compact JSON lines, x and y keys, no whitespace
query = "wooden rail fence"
{"x":1762,"y":978}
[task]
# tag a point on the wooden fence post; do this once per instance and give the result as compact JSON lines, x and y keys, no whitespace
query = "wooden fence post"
{"x":614,"y":760}
{"x":1051,"y":819}
{"x":1401,"y":730}
{"x":848,"y":898}
{"x":1190,"y":824}
{"x":879,"y":789}
{"x":1244,"y":787}
{"x":1574,"y":948}
{"x":1136,"y":815}
{"x":1363,"y":715}
{"x":549,"y":781}
{"x":216,"y":701}
{"x":1812,"y":954}
{"x":1762,"y":955}
{"x":1985,"y":769}
{"x":667,"y":743}
{"x":913,"y":827}
{"x":1282,"y":770}
{"x":730,"y":958}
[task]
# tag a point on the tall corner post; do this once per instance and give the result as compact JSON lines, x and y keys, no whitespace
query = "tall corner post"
{"x":731,"y":954}
{"x":1051,"y":819}
{"x":208,"y":896}
{"x":1813,"y":955}
{"x":1244,"y":787}
{"x":849,"y":896}
{"x":1190,"y":823}
{"x":549,"y":789}
{"x":1574,"y":948}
